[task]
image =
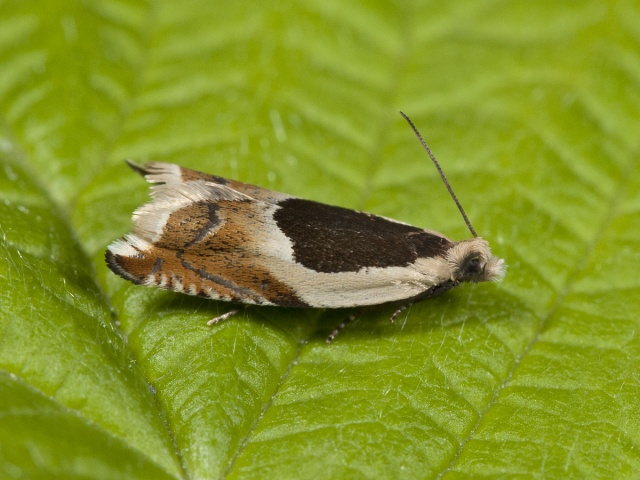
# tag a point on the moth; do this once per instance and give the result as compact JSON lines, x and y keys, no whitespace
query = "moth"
{"x":212,"y":237}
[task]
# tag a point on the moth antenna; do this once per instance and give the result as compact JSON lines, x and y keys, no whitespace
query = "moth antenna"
{"x":442,"y":175}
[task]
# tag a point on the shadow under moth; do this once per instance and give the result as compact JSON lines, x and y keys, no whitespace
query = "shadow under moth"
{"x":222,"y":239}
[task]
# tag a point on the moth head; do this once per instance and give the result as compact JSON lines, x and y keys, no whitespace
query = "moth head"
{"x":471,"y":261}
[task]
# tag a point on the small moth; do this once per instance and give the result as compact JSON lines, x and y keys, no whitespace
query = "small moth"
{"x":213,"y":237}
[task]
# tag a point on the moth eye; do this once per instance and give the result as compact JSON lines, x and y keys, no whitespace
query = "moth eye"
{"x":472,"y":267}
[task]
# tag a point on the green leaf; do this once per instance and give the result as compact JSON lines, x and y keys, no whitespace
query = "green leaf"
{"x":533,"y":111}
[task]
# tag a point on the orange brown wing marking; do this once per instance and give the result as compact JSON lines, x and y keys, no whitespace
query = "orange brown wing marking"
{"x":163,"y":268}
{"x":207,"y":249}
{"x":230,"y":252}
{"x":188,"y":226}
{"x":253,"y":191}
{"x":136,"y":268}
{"x":160,"y":173}
{"x":223,"y":277}
{"x":248,"y":281}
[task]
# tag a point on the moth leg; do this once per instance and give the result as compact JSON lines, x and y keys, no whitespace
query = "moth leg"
{"x":399,"y":311}
{"x":222,"y":317}
{"x":332,"y":336}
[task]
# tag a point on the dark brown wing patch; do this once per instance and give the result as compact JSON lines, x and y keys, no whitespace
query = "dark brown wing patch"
{"x":333,"y":239}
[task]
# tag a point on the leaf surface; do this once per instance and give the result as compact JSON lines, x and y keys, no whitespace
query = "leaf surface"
{"x":532,"y":111}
